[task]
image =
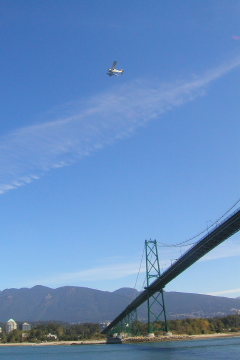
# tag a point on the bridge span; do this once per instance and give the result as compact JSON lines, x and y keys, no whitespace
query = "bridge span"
{"x":220,"y":233}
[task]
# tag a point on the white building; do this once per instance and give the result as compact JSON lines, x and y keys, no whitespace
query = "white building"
{"x":25,"y":326}
{"x":52,"y":336}
{"x":11,"y":325}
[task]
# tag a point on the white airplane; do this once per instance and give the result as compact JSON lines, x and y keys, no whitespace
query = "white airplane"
{"x":114,"y":71}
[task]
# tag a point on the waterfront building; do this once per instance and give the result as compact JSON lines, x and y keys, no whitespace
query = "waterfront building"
{"x":25,"y":326}
{"x":11,"y":325}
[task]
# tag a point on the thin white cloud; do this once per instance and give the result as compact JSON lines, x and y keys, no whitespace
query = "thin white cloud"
{"x":225,"y":292}
{"x":29,"y":152}
{"x":101,"y":273}
{"x":120,"y":270}
{"x":228,"y":249}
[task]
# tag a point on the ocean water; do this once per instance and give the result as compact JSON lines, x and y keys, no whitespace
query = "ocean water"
{"x":228,"y":348}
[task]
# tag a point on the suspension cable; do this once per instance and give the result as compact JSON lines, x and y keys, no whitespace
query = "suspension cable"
{"x":137,"y":274}
{"x":203,"y":231}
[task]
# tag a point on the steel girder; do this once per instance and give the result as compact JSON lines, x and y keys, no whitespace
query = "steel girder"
{"x":220,"y":233}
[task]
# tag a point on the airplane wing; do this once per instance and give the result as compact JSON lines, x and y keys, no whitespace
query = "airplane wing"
{"x":114,"y":65}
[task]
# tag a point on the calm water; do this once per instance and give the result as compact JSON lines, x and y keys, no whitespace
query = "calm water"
{"x":228,"y":349}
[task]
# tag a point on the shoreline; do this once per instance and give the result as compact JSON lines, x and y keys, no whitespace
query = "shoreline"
{"x":139,"y":339}
{"x":181,"y":337}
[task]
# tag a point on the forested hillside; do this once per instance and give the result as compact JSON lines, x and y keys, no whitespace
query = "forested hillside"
{"x":78,"y":304}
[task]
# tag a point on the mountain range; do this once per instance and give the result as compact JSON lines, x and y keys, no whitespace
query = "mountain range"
{"x":80,"y":304}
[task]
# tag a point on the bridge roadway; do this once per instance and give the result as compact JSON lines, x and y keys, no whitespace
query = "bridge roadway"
{"x":220,"y":233}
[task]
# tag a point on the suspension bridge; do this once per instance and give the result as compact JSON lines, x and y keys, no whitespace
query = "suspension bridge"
{"x":222,"y":231}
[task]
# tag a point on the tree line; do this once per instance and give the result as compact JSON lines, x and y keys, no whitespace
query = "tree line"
{"x":230,"y":323}
{"x":67,"y":332}
{"x":54,"y":332}
{"x":189,"y":326}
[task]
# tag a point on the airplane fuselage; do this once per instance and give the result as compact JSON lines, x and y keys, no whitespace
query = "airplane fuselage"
{"x":114,"y":72}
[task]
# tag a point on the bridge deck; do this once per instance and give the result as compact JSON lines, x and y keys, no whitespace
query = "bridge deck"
{"x":223,"y":231}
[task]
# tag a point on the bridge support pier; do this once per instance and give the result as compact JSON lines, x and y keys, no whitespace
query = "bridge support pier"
{"x":157,"y":319}
{"x":133,"y":323}
{"x":128,"y":326}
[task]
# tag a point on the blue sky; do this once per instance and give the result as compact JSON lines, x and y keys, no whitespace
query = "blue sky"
{"x":91,"y":166}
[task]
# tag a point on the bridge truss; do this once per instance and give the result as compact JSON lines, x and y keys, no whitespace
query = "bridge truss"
{"x":215,"y":237}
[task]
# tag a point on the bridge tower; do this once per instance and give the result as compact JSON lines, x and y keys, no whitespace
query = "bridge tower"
{"x":154,"y":300}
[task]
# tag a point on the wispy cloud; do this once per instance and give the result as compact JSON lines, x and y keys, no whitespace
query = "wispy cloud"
{"x":228,"y":249}
{"x":100,"y":273}
{"x":225,"y":292}
{"x":79,"y":129}
{"x":118,"y":269}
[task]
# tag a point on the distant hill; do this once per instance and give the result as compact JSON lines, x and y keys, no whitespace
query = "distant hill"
{"x":79,"y":304}
{"x":185,"y":305}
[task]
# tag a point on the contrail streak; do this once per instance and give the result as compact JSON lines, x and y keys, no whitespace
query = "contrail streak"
{"x":29,"y":152}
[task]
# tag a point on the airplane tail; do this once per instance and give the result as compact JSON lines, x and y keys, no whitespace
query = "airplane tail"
{"x":122,"y":71}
